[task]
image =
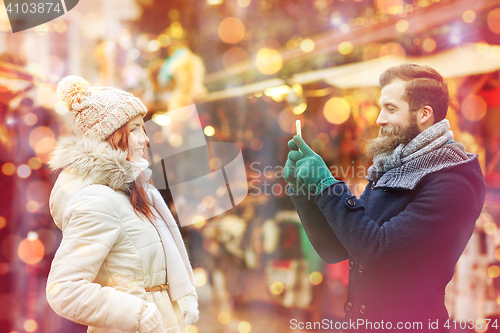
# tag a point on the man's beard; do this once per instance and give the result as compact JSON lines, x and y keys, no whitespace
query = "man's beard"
{"x":394,"y":136}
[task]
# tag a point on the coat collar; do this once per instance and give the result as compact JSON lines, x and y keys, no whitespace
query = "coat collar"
{"x":93,"y":159}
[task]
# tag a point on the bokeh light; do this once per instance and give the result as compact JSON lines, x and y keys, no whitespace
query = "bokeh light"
{"x":209,"y":131}
{"x":175,"y":140}
{"x":234,"y":58}
{"x":208,"y":201}
{"x":315,"y":278}
{"x":31,"y":251}
{"x":468,"y":16}
{"x":200,"y":276}
{"x":494,"y":20}
{"x":30,"y":119}
{"x":286,"y":120}
{"x":3,"y":222}
{"x":337,"y":110}
{"x":35,"y":163}
{"x":42,"y":140}
{"x":224,"y":317}
{"x":42,"y":29}
{"x":8,"y":168}
{"x":276,"y":287}
{"x":231,"y":30}
{"x":244,"y":3}
{"x":392,"y":49}
{"x":23,"y":171}
{"x":402,"y":25}
{"x":389,"y":6}
{"x":494,"y":271}
{"x":244,"y":327}
{"x":482,"y":47}
{"x":38,"y":191}
{"x":429,"y":44}
{"x":192,"y":329}
{"x":60,"y":26}
{"x":164,"y":40}
{"x":30,"y":325}
{"x":345,"y":48}
{"x":371,"y":114}
{"x":256,"y":144}
{"x":490,"y":228}
{"x":268,"y":61}
{"x":299,"y":109}
{"x":473,"y":107}
{"x":32,"y":206}
{"x":307,"y":45}
{"x":324,"y":137}
{"x":159,"y":137}
{"x":47,"y":97}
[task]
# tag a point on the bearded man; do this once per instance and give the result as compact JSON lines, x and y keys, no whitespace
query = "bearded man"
{"x":405,"y":233}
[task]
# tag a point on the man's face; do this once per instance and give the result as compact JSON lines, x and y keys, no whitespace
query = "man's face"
{"x":397,"y":124}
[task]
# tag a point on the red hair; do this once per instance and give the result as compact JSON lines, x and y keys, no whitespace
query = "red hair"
{"x":119,"y":140}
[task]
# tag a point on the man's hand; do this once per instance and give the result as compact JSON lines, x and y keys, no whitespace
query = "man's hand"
{"x":311,"y":170}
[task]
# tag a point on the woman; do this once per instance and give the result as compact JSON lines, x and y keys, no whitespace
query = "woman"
{"x":122,"y":265}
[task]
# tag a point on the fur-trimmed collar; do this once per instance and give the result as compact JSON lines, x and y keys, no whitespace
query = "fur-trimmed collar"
{"x":94,"y":159}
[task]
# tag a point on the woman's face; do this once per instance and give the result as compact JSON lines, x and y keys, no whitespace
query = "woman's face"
{"x":137,"y":139}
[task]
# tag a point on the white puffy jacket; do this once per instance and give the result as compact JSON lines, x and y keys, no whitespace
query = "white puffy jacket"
{"x":108,"y":254}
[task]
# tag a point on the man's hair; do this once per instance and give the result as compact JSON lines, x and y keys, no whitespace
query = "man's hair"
{"x":424,"y":86}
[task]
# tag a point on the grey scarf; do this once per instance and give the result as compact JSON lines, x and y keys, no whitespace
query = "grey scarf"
{"x":432,"y":150}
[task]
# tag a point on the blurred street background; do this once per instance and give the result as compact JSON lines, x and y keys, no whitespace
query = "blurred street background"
{"x":252,"y":68}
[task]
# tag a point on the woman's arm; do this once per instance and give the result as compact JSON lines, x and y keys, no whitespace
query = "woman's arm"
{"x":88,"y":237}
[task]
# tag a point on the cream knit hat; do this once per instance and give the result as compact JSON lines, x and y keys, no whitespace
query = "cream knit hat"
{"x":98,"y":111}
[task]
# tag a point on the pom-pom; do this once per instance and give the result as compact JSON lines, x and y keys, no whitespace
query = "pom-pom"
{"x":71,"y":90}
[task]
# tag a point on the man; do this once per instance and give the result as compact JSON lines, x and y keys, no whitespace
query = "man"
{"x":405,"y":234}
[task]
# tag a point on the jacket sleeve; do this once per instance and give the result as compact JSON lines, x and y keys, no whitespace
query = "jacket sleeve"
{"x":93,"y":227}
{"x":319,"y":232}
{"x":443,"y":211}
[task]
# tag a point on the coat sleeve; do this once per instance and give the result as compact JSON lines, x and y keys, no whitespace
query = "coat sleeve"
{"x":92,"y":229}
{"x":319,"y":232}
{"x":443,"y":211}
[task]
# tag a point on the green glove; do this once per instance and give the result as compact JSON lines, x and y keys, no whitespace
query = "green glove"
{"x":289,"y":171}
{"x":311,"y":169}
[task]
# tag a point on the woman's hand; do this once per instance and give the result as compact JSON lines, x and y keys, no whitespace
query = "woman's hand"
{"x":189,"y":306}
{"x":151,"y":321}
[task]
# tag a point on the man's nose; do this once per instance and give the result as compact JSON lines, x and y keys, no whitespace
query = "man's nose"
{"x":382,"y":119}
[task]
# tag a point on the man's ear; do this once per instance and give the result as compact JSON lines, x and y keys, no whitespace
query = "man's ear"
{"x":426,"y":117}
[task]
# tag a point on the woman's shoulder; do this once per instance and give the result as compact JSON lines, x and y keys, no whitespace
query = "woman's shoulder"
{"x":101,"y":197}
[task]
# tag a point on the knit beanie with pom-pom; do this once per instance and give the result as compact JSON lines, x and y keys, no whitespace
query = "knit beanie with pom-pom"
{"x":98,"y":111}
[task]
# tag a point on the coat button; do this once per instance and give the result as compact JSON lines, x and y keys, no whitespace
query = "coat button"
{"x":351,"y":202}
{"x":360,"y":269}
{"x":351,"y":265}
{"x":348,"y":306}
{"x":363,"y":309}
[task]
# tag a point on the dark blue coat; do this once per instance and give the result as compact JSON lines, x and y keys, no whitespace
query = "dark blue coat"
{"x":402,"y":244}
